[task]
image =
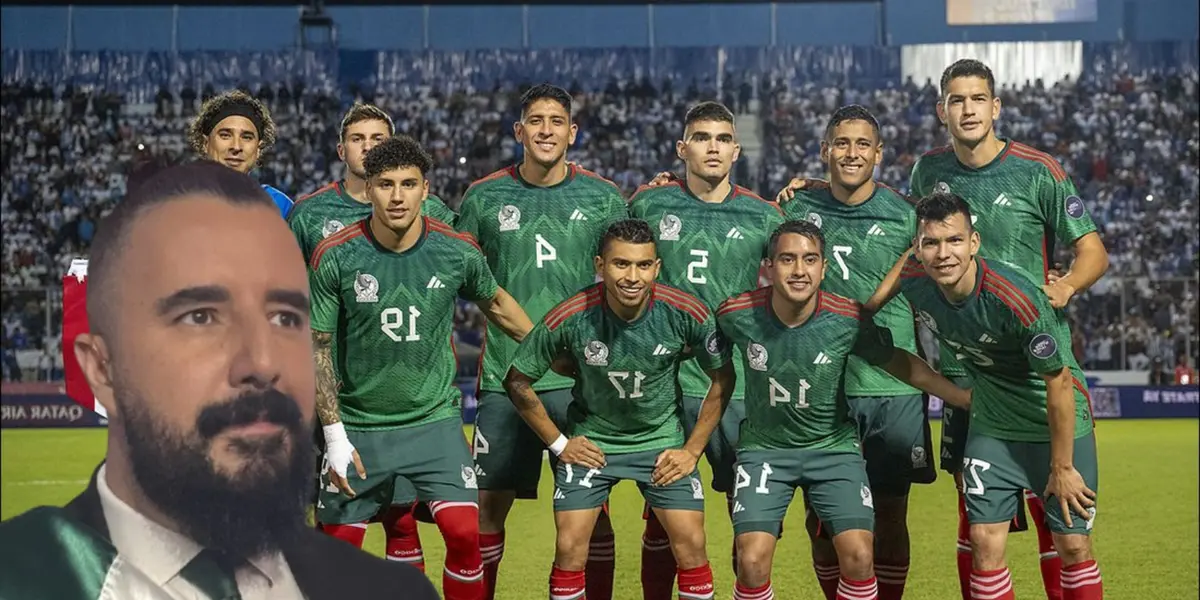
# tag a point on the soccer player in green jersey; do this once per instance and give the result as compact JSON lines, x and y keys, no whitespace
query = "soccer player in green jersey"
{"x":625,"y":339}
{"x":1024,"y":204}
{"x":1031,"y":425}
{"x":867,"y":226}
{"x":327,"y":210}
{"x":383,"y":292}
{"x":712,"y":236}
{"x":538,"y":223}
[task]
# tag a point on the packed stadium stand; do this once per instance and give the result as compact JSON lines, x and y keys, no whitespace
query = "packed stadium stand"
{"x":73,"y":123}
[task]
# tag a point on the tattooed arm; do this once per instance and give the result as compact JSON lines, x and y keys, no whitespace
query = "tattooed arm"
{"x":328,"y":410}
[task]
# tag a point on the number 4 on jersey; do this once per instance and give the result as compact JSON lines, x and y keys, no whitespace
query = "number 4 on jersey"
{"x":545,"y":252}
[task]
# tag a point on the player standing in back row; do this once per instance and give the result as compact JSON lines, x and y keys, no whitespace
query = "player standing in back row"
{"x":384,"y":292}
{"x":538,"y":223}
{"x":798,"y":341}
{"x":1031,"y":424}
{"x":712,"y":237}
{"x":1023,"y":203}
{"x":625,"y":339}
{"x":868,"y":226}
{"x":328,"y":210}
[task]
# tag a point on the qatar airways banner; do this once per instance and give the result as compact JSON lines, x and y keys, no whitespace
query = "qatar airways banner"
{"x":1019,"y":12}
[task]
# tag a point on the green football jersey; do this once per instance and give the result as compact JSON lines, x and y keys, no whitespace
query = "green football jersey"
{"x":392,"y":316}
{"x":862,"y":243}
{"x":626,"y":395}
{"x":1010,"y":336}
{"x":540,"y":243}
{"x":712,"y":251}
{"x":1022,"y":203}
{"x":795,"y":376}
{"x":327,"y":210}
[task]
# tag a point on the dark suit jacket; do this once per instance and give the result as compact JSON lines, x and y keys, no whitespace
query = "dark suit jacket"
{"x":325,"y":568}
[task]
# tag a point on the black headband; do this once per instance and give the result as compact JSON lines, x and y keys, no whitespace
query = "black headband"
{"x":233,"y":109}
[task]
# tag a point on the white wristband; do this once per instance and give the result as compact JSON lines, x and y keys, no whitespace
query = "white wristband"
{"x":334,"y":433}
{"x":559,"y":445}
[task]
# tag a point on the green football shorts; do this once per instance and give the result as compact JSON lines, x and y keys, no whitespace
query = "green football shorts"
{"x":896,"y":442}
{"x":508,"y":454}
{"x":834,"y":481}
{"x":580,"y":488}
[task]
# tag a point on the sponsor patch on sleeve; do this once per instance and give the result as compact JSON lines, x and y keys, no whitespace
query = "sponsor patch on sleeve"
{"x":1075,"y":207}
{"x":1043,"y":345}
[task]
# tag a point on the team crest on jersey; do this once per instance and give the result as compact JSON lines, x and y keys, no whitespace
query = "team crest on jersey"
{"x":1075,"y":207}
{"x":1043,"y":345}
{"x":697,"y":489}
{"x":669,"y":227}
{"x":510,"y":218}
{"x":468,"y":477}
{"x":757,"y":355}
{"x":596,"y":354}
{"x":715,"y":344}
{"x":867,"y":498}
{"x":331,"y":227}
{"x":918,"y":457}
{"x":927,"y":319}
{"x":366,"y":288}
{"x":942,"y":188}
{"x":815,"y":219}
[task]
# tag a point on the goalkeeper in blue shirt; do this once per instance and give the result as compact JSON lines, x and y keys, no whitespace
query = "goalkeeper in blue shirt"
{"x":236,"y":129}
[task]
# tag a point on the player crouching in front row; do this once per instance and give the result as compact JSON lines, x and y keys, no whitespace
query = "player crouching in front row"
{"x":624,"y":339}
{"x":796,"y":340}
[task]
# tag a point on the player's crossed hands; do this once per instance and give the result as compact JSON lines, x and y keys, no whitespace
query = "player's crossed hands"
{"x":672,"y":465}
{"x":581,"y":451}
{"x":1066,"y":485}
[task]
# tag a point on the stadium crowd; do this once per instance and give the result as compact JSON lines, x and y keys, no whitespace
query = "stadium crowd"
{"x":1131,"y":144}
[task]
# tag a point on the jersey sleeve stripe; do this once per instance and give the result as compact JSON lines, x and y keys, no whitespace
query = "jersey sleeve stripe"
{"x":1011,"y":297}
{"x":594,"y":175}
{"x":645,"y":187}
{"x":938,"y":150}
{"x":911,"y":269}
{"x":572,"y":307}
{"x":336,"y":239}
{"x":996,"y":278}
{"x":1029,"y":153}
{"x":746,"y":300}
{"x":495,"y":175}
{"x":321,"y":190}
{"x":741,"y":191}
{"x":448,"y":231}
{"x":839,"y":305}
{"x":682,"y":301}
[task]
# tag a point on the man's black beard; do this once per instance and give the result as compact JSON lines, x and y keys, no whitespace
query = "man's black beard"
{"x":257,"y":510}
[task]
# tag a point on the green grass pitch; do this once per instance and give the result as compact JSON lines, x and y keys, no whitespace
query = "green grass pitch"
{"x":1146,"y":529}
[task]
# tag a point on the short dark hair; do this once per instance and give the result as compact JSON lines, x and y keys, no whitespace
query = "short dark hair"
{"x":940,"y":206}
{"x":799,"y":227}
{"x":967,"y":67}
{"x":155,"y":184}
{"x":202,"y":124}
{"x":394,"y":153}
{"x":545,"y":91}
{"x":632,"y":231}
{"x":365,"y":112}
{"x":708,"y":111}
{"x":852,"y":112}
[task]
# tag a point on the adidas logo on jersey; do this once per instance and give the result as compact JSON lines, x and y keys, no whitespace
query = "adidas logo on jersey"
{"x":578,"y":216}
{"x":875,"y":230}
{"x":987,"y":339}
{"x":558,"y":495}
{"x":435,"y":283}
{"x":1002,"y":200}
{"x":737,"y":507}
{"x":662,"y":350}
{"x":821,"y":359}
{"x":734,"y":234}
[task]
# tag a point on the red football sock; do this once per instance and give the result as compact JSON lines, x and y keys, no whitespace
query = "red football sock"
{"x":658,"y":563}
{"x":1051,"y":564}
{"x":741,"y":592}
{"x":462,"y":576}
{"x":992,"y":585}
{"x":601,"y":566}
{"x":567,"y":585}
{"x":696,"y":584}
{"x":403,"y":539}
{"x":1082,"y":582}
{"x":891,"y":580}
{"x":491,"y":550}
{"x":964,"y":549}
{"x":849,"y":589}
{"x":352,"y":533}
{"x":827,"y":577}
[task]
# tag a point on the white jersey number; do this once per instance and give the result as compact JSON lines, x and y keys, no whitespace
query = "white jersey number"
{"x":391,"y":321}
